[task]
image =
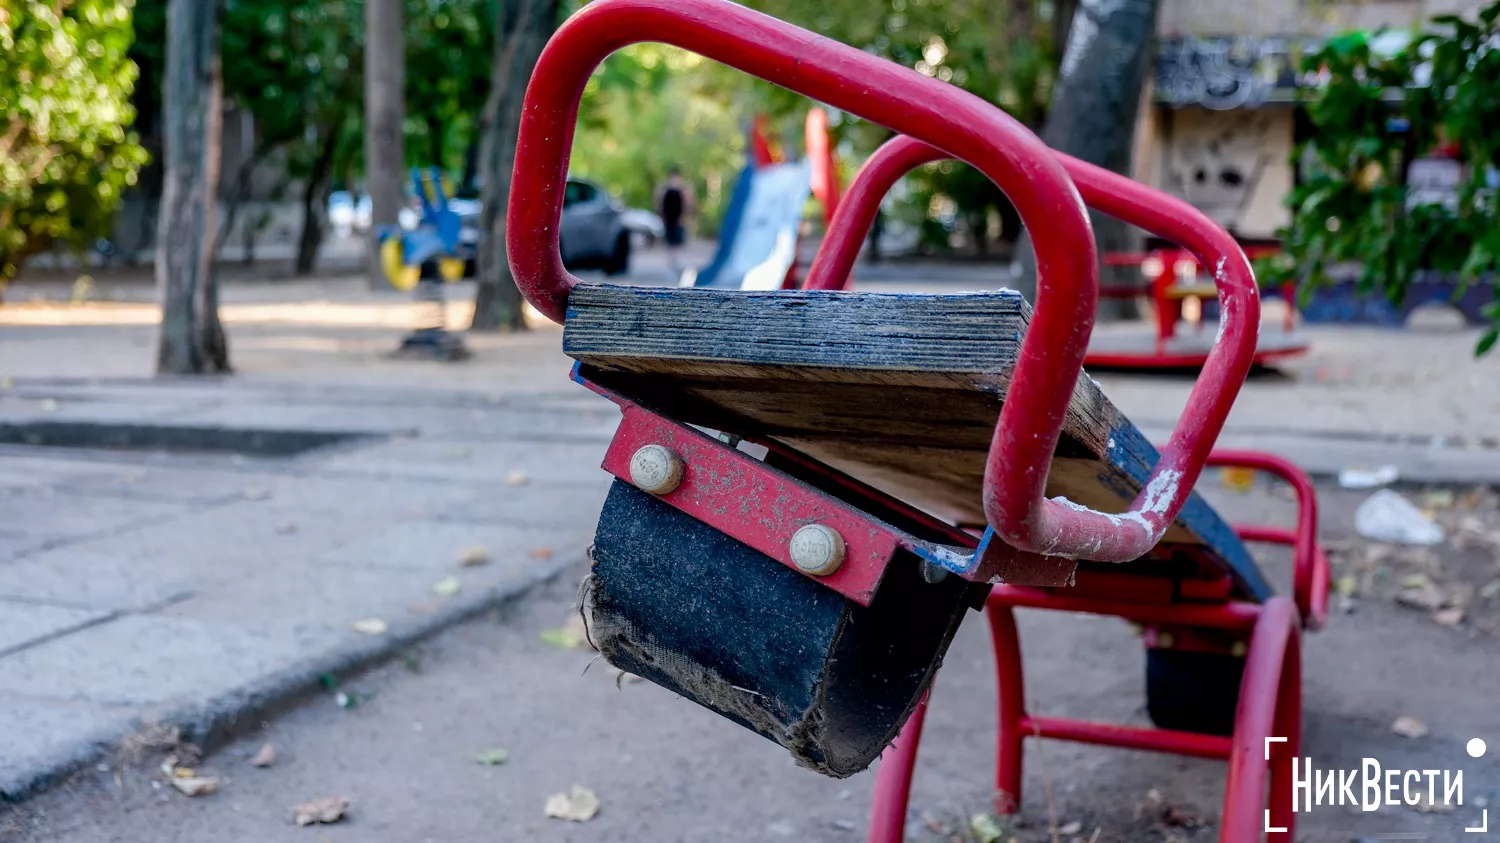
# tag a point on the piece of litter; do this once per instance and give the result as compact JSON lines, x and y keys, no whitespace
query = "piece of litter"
{"x":475,"y":555}
{"x":1364,"y":477}
{"x":985,"y":828}
{"x":196,"y":785}
{"x":370,"y":626}
{"x":1387,"y":517}
{"x":843,"y":825}
{"x":493,"y":757}
{"x":540,"y":553}
{"x":1070,"y":829}
{"x":1449,"y":617}
{"x":1409,"y":727}
{"x":578,"y":806}
{"x":447,"y":587}
{"x":265,"y":756}
{"x":517,"y":478}
{"x":343,"y":700}
{"x":1346,"y":585}
{"x":329,"y":809}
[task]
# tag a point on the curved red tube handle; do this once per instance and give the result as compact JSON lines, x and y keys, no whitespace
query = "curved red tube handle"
{"x":1310,"y":573}
{"x":1014,"y":492}
{"x":926,"y":109}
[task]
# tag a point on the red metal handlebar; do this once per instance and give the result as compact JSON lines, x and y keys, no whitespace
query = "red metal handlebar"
{"x":970,"y":129}
{"x":1014,"y":501}
{"x":1310,"y":572}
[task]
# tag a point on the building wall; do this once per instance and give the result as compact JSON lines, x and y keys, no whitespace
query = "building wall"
{"x":1232,"y":165}
{"x":1298,"y":17}
{"x":1232,"y":159}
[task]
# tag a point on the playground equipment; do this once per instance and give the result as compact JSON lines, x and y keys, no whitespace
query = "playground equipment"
{"x":1173,"y":275}
{"x":436,"y":241}
{"x":812,"y":488}
{"x":434,"y":249}
{"x":758,"y":238}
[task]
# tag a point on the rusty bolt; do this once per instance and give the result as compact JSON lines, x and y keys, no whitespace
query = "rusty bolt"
{"x":656,"y":469}
{"x":817,"y":550}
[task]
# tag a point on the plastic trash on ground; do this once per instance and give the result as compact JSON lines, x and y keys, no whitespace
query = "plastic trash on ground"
{"x":1387,"y":517}
{"x":1365,"y":477}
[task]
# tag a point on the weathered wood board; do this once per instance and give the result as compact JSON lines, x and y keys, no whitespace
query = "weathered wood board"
{"x":901,"y":391}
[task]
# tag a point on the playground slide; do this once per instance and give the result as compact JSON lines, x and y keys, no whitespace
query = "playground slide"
{"x":758,"y":240}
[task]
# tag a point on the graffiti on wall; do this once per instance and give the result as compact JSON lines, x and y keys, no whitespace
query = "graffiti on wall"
{"x":1228,"y":72}
{"x":1218,"y":164}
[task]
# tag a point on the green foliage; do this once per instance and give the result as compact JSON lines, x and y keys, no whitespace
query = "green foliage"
{"x":650,"y":107}
{"x":449,"y":48}
{"x":1004,"y":51}
{"x":298,"y":67}
{"x":1374,"y":114}
{"x":66,"y":154}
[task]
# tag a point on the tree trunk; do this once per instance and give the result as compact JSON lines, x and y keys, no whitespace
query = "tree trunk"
{"x":192,"y":337}
{"x":1093,"y":114}
{"x":315,"y":202}
{"x":385,"y":109}
{"x":521,"y":31}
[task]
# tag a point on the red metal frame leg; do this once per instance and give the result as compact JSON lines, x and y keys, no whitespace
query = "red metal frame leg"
{"x":1270,"y":706}
{"x":893,"y":781}
{"x":1012,"y":705}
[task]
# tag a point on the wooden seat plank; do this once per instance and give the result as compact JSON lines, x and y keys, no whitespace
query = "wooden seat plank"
{"x":900,"y":391}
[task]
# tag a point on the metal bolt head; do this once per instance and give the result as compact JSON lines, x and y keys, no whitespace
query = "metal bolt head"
{"x":817,"y":550}
{"x":1239,"y":650}
{"x":656,"y":469}
{"x":1165,"y":640}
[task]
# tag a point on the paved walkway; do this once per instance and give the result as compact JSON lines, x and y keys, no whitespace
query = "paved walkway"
{"x":196,"y":588}
{"x":202,"y":589}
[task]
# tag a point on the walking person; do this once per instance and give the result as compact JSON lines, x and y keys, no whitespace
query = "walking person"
{"x":675,"y":204}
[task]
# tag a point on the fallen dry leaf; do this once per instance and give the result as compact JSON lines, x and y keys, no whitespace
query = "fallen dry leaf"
{"x":1409,"y":727}
{"x":572,"y":636}
{"x":196,"y":785}
{"x":1427,"y":597}
{"x":370,"y":626}
{"x":447,"y":587}
{"x":1449,"y":617}
{"x":579,"y":806}
{"x":540,"y":553}
{"x":493,"y":757}
{"x":265,"y":756}
{"x":1235,"y":479}
{"x":329,"y":809}
{"x":517,"y":478}
{"x":475,"y":555}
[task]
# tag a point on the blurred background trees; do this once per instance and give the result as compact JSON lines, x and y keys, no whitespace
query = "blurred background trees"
{"x":1381,"y":105}
{"x":67,"y":153}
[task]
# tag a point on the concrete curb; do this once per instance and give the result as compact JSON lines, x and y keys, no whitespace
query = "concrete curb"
{"x":215,"y":721}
